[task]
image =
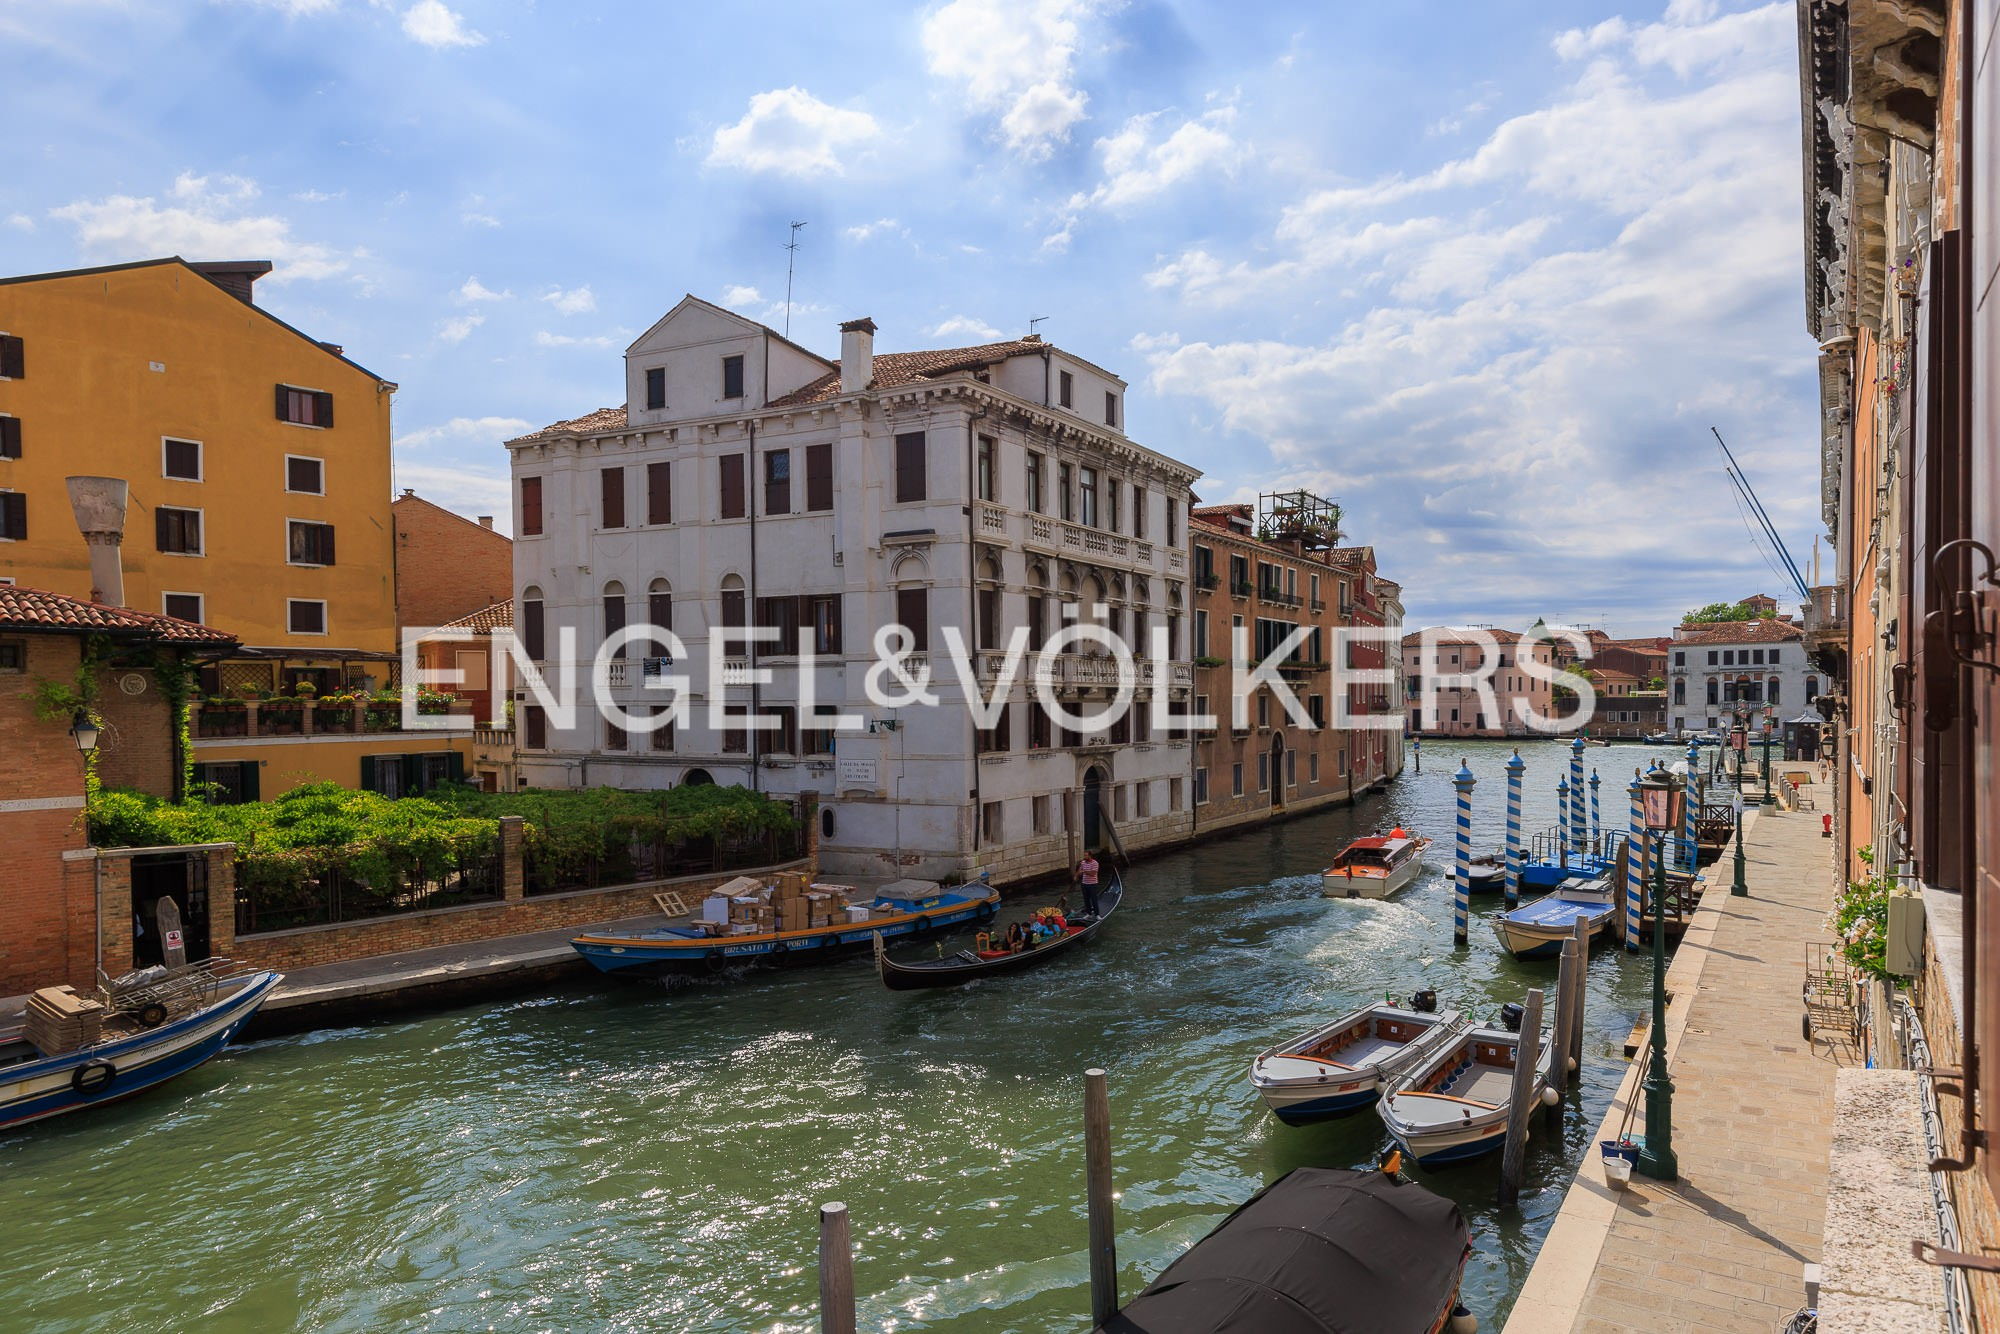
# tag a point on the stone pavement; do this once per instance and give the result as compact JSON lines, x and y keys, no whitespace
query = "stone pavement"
{"x":1725,"y":1247}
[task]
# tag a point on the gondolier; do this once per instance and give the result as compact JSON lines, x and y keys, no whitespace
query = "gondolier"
{"x":1086,"y":876}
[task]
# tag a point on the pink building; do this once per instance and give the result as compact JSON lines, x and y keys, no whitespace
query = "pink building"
{"x":1462,"y":709}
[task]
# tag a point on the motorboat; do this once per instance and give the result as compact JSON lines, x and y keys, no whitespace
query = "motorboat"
{"x":1453,"y":1104}
{"x":1340,"y":1067}
{"x":1538,"y":928}
{"x":1375,"y":867}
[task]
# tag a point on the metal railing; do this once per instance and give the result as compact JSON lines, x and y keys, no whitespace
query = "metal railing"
{"x":278,"y":898}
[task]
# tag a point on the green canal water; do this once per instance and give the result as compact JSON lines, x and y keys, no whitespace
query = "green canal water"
{"x":616,"y":1156}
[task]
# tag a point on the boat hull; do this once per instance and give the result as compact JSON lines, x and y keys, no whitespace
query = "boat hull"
{"x":42,"y":1089}
{"x":1334,"y":885}
{"x":1301,"y":1088}
{"x":1299,"y":1107}
{"x":655,"y":955}
{"x":950,"y":973}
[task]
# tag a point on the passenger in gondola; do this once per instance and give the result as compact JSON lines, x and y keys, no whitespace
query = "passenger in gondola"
{"x":1016,"y":941}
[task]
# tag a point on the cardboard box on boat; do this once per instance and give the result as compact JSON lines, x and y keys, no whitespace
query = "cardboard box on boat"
{"x":715,"y":908}
{"x":741,"y":885}
{"x":856,"y":913}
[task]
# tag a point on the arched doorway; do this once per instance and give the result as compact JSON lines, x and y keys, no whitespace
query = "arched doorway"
{"x":1093,"y":807}
{"x":1278,"y":771}
{"x":697,"y":778}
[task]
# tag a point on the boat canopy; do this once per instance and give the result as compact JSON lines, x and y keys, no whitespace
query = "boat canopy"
{"x":1319,"y":1251}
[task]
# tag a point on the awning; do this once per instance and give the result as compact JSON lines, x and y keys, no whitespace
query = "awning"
{"x":263,"y":653}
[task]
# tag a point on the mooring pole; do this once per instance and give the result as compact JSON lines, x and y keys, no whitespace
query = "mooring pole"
{"x":1580,"y":999}
{"x":1527,"y":1053}
{"x":1515,"y":768}
{"x":1566,"y":1018}
{"x":1461,"y":909}
{"x":836,"y":1271}
{"x":1562,"y":821}
{"x":1596,"y":816}
{"x":1097,"y":1184}
{"x":1692,"y":808}
{"x":1576,"y":795}
{"x":1635,"y":866}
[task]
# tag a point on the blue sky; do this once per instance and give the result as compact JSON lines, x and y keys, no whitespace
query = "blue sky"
{"x":1484,"y":273}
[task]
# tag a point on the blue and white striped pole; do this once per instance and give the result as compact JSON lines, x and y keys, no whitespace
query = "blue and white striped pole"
{"x":1515,"y":768}
{"x":1635,"y":865}
{"x":1576,"y":795}
{"x":1562,"y":822}
{"x":1596,"y":816}
{"x":1461,"y":912}
{"x":1692,"y":849}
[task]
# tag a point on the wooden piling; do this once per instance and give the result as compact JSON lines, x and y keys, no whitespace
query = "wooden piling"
{"x":836,"y":1271}
{"x":1069,"y":831}
{"x":1097,"y":1184}
{"x":1527,"y":1053}
{"x":1580,"y":999}
{"x":1566,"y":1017}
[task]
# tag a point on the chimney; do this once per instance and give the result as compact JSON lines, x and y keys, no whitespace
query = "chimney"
{"x":99,"y":505}
{"x":236,"y":276}
{"x":486,"y":521}
{"x":857,"y":355}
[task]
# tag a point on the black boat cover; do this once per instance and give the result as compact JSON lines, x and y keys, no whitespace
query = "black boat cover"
{"x":1319,"y":1251}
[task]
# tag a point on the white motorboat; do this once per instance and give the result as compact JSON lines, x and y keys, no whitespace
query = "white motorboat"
{"x":1538,"y":928}
{"x":1340,"y":1067}
{"x":1374,"y":867}
{"x":1453,"y":1103}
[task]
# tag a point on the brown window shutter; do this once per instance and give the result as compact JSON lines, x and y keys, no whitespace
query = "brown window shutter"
{"x":10,"y":437}
{"x":612,"y":482}
{"x":660,"y":611}
{"x":819,"y":477}
{"x":13,"y":515}
{"x":13,"y":357}
{"x":532,"y":638}
{"x":326,"y":543}
{"x":161,"y":530}
{"x":284,"y":404}
{"x":659,"y":493}
{"x":531,"y":505}
{"x":732,"y":486}
{"x":913,"y":610}
{"x":323,"y":409}
{"x":910,"y":480}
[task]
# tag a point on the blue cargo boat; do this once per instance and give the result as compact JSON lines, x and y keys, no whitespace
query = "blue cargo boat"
{"x":1538,"y":928}
{"x":898,"y":911}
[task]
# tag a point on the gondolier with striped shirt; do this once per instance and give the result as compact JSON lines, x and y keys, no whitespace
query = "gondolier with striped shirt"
{"x":1086,"y":876}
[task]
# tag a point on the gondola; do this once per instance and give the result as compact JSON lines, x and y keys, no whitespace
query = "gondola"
{"x":967,"y":965}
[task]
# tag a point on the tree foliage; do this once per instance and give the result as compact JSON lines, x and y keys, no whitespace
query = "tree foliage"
{"x":1716,"y":612}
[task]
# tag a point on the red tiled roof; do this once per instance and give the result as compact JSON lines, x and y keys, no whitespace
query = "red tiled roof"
{"x":895,"y":369}
{"x":499,"y":616}
{"x":604,"y":419}
{"x":1766,"y":631}
{"x":33,"y":609}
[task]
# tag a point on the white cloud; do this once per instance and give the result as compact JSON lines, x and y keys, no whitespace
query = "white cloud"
{"x":1015,"y":60}
{"x":1559,"y":311}
{"x":429,"y":22}
{"x":458,"y":327}
{"x":474,"y":290}
{"x":204,"y":217}
{"x":21,"y":221}
{"x":868,"y":230}
{"x":476,"y":219}
{"x":965,"y":326}
{"x":317,"y":196}
{"x":1138,"y":166}
{"x":543,"y":338}
{"x":575,"y":301}
{"x":296,"y":8}
{"x":473,"y":430}
{"x":791,"y":132}
{"x":736,"y":297}
{"x":461,"y":488}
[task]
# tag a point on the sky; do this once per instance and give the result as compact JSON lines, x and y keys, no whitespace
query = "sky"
{"x":1484,"y":273}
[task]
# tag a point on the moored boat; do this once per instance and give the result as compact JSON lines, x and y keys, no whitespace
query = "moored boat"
{"x":1340,"y":1067}
{"x":1538,"y":928}
{"x":1487,"y":874}
{"x":1453,"y":1103}
{"x":1319,"y":1251}
{"x":987,"y":960}
{"x":906,"y":908}
{"x":1374,"y":867}
{"x":141,"y":1031}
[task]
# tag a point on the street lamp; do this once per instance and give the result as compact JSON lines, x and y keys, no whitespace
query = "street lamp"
{"x":1768,"y":798}
{"x":1661,"y":799}
{"x":1737,"y":886}
{"x":84,"y":732}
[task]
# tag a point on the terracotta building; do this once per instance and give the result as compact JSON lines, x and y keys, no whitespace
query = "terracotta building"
{"x":447,"y":566}
{"x":1454,"y":651}
{"x":46,"y":871}
{"x":1270,"y":570}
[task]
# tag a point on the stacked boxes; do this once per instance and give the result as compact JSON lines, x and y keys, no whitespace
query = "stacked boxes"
{"x":790,"y":902}
{"x":59,"y":1021}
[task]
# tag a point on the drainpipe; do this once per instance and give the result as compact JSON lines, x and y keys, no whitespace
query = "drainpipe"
{"x":972,"y":596}
{"x":752,"y":737}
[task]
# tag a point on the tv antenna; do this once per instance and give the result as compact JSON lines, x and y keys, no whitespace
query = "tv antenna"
{"x":1033,"y":329}
{"x":791,"y":257}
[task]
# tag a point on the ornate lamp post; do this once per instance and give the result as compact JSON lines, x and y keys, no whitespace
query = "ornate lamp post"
{"x":1737,"y":886}
{"x":1768,"y":798}
{"x":1661,"y":797}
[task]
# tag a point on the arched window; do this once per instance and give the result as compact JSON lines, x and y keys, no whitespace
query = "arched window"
{"x":826,"y":822}
{"x":913,"y":600}
{"x":533,"y":625}
{"x":734,"y":612}
{"x":1772,"y":696}
{"x":1812,"y":689}
{"x":660,"y":612}
{"x":1680,"y":691}
{"x":613,"y":602}
{"x":988,"y":630}
{"x":1713,"y":690}
{"x":1038,"y":606}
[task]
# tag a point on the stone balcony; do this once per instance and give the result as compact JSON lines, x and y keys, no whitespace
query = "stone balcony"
{"x":1825,"y":622}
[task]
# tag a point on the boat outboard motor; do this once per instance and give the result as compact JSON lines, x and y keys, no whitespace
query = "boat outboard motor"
{"x":1510,"y":1016}
{"x":1424,"y":1002}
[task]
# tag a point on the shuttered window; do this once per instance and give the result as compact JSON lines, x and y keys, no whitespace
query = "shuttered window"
{"x":13,"y":358}
{"x":304,"y":407}
{"x":732,"y":609}
{"x":13,"y":516}
{"x":660,"y":612}
{"x":913,"y":609}
{"x":656,"y":387}
{"x":732,"y":377}
{"x":181,"y":460}
{"x":177,"y":531}
{"x":305,"y":616}
{"x":611,"y":483}
{"x":732,"y":486}
{"x":532,"y":627}
{"x":659,"y":493}
{"x":307,"y":476}
{"x":531,"y":506}
{"x":911,"y":481}
{"x":819,"y":477}
{"x":778,"y":482}
{"x":183,"y":606}
{"x":10,"y":437}
{"x":614,"y":619}
{"x":310,"y":544}
{"x":534,"y":727}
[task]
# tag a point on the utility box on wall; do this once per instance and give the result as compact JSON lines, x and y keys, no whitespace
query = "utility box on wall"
{"x":1903,"y":943}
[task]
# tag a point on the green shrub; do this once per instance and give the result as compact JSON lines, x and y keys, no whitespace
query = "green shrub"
{"x":1861,"y":920}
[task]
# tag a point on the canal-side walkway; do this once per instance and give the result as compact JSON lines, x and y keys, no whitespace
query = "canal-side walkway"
{"x":1725,"y":1247}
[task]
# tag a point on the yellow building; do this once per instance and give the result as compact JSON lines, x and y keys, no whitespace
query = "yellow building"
{"x":247,"y":466}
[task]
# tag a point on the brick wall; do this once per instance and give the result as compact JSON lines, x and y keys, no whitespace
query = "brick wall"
{"x":307,"y":946}
{"x":1972,"y":1200}
{"x":136,"y":747}
{"x":447,"y":566}
{"x":41,"y":817}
